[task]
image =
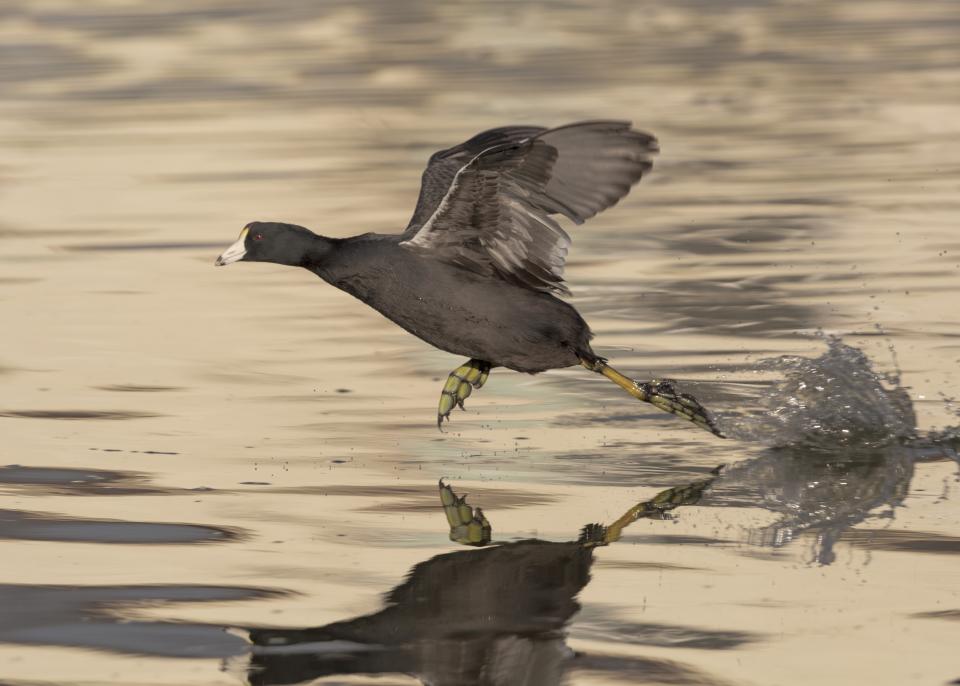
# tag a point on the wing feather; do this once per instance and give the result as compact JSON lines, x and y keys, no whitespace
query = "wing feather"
{"x":444,"y":165}
{"x":494,"y":218}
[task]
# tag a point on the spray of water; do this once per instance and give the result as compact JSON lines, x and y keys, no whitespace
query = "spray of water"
{"x":833,"y":401}
{"x":842,"y":441}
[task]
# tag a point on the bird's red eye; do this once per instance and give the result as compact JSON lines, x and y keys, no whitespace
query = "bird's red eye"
{"x":258,"y":236}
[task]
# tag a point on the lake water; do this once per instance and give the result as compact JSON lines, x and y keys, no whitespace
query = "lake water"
{"x":220,"y":476}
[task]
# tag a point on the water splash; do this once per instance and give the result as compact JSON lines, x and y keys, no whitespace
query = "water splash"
{"x":842,"y":441}
{"x":832,"y":401}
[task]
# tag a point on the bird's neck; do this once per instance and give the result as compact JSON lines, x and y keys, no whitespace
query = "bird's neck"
{"x":317,"y":252}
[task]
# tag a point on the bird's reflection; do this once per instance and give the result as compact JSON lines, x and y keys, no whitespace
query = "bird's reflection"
{"x":494,"y":615}
{"x":824,"y":493}
{"x":847,"y":440}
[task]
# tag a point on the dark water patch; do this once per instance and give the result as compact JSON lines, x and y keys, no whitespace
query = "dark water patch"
{"x":72,"y":480}
{"x":65,"y":481}
{"x":98,"y":618}
{"x":27,"y":62}
{"x":621,"y":417}
{"x":133,"y":247}
{"x":953,"y":615}
{"x":646,"y":566}
{"x":736,"y":307}
{"x":17,"y":474}
{"x":136,"y":452}
{"x":903,"y":541}
{"x":40,"y":526}
{"x":16,"y":281}
{"x":642,"y":670}
{"x":82,"y":415}
{"x":595,"y":623}
{"x":743,"y":234}
{"x":693,"y":167}
{"x":111,"y":23}
{"x":656,"y":464}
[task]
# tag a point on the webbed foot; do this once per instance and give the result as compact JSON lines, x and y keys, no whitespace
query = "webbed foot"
{"x":460,"y":385}
{"x":663,"y":395}
{"x":468,"y":525}
{"x":659,"y":393}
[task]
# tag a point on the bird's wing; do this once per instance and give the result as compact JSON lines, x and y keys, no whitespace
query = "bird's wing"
{"x":495,"y":217}
{"x":444,"y":165}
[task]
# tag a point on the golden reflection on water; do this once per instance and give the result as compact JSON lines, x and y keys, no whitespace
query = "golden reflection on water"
{"x":807,"y":181}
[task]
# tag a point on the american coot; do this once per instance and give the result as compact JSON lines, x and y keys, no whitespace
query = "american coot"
{"x":478,"y":268}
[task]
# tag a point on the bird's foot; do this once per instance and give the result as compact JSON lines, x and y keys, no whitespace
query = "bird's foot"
{"x":663,"y":395}
{"x":468,"y":525}
{"x":460,"y":385}
{"x":593,"y":535}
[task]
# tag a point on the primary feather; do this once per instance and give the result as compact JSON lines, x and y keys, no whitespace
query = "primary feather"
{"x":493,"y":217}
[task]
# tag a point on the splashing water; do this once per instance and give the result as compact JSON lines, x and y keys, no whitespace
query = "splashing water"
{"x":832,"y":401}
{"x":842,"y":444}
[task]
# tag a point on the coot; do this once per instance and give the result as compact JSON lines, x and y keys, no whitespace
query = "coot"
{"x":479,"y":267}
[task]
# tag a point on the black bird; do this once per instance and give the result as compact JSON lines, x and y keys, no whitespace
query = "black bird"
{"x":479,"y":266}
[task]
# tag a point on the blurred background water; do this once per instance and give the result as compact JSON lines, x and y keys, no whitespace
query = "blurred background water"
{"x":189,"y":449}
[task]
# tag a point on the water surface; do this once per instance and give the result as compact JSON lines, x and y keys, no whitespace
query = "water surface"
{"x":192,"y":454}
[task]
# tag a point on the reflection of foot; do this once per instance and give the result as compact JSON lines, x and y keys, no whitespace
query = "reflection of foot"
{"x":592,"y":535}
{"x":460,"y":385}
{"x":662,"y":394}
{"x":657,"y":507}
{"x":468,"y":525}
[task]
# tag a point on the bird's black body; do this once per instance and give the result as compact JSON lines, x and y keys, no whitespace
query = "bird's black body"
{"x":477,"y":269}
{"x":456,"y":310}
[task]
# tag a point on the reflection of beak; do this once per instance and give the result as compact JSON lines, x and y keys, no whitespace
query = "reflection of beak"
{"x":234,"y":253}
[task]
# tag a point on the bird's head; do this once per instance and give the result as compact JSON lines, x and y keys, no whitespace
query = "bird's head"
{"x":287,"y":244}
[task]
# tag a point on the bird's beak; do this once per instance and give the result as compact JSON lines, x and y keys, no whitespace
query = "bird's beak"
{"x":235,"y":252}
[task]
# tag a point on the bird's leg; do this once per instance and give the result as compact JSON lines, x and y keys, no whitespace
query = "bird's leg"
{"x":659,"y":393}
{"x":460,"y":385}
{"x":657,"y":507}
{"x":468,"y":525}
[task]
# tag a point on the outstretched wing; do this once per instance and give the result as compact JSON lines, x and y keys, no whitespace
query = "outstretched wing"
{"x":445,"y":164}
{"x":495,"y":216}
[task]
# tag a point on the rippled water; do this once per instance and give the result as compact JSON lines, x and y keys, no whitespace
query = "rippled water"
{"x":213,"y":476}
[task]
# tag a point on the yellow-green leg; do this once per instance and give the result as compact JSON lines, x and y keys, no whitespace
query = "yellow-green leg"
{"x":468,"y":525}
{"x":659,"y":393}
{"x":657,"y":507}
{"x":460,"y":385}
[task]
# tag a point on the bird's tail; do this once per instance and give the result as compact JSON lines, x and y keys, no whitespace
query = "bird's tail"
{"x":659,"y":393}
